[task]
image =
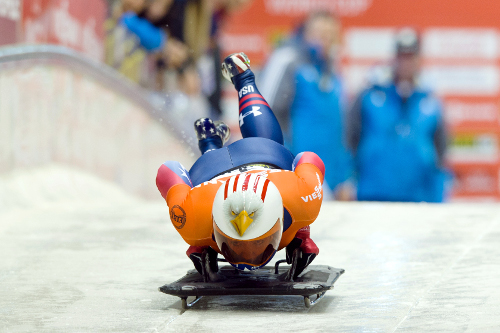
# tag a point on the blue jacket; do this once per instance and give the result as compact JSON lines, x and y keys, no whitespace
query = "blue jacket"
{"x":399,"y":145}
{"x":307,"y":98}
{"x":151,"y":38}
{"x":316,"y":122}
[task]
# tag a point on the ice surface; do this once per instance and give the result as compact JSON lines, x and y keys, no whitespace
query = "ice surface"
{"x":78,"y":255}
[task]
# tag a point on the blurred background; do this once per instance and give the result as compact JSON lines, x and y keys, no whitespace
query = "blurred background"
{"x":113,"y":87}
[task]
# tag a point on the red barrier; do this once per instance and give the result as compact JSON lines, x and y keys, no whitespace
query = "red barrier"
{"x":10,"y":14}
{"x":78,"y":24}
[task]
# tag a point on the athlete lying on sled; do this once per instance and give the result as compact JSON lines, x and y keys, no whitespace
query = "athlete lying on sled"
{"x":247,"y":200}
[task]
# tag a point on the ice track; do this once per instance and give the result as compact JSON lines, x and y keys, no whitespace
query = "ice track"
{"x":78,"y":255}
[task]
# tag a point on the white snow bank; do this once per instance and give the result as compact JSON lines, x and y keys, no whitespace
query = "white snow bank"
{"x":30,"y":188}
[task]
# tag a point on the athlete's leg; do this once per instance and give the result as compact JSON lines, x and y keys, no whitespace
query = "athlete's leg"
{"x":256,"y":118}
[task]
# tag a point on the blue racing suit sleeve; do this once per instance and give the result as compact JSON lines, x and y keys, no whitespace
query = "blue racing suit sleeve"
{"x":151,"y":37}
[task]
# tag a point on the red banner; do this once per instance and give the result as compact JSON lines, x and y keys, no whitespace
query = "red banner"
{"x":10,"y":15}
{"x":78,"y":24}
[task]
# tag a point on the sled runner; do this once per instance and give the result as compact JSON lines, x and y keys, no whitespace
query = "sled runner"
{"x":314,"y":280}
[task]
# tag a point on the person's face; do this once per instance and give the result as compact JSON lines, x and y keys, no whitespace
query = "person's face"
{"x":134,"y":5}
{"x":158,"y":9}
{"x":323,"y":32}
{"x":407,"y":66}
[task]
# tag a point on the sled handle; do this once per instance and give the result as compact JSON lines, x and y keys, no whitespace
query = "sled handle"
{"x":277,"y":265}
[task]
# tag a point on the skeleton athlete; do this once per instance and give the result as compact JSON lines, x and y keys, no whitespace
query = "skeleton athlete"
{"x":249,"y":199}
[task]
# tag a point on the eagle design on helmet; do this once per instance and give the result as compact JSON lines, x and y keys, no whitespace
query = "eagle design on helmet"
{"x":248,"y":220}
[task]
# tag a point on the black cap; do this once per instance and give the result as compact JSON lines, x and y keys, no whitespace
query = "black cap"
{"x":407,"y":41}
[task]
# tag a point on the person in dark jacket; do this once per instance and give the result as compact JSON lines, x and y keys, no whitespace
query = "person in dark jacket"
{"x":397,"y":134}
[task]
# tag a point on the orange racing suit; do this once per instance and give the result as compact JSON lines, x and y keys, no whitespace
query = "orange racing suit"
{"x":191,"y":207}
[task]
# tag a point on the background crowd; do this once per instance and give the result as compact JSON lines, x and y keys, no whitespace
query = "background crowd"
{"x":176,"y":46}
{"x":388,"y":143}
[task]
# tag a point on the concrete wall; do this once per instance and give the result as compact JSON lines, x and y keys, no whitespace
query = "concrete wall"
{"x":51,"y":113}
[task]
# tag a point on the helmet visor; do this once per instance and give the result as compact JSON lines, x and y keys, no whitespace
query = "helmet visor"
{"x":253,"y":252}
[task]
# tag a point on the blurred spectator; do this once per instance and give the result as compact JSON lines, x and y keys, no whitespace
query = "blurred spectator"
{"x":123,"y":48}
{"x":192,"y":27}
{"x":186,"y":102}
{"x":168,"y":15}
{"x":301,"y":85}
{"x":157,"y":10}
{"x":123,"y":6}
{"x":187,"y":21}
{"x":177,"y":35}
{"x":190,"y":22}
{"x":397,"y":134}
{"x":151,"y":38}
{"x":203,"y":40}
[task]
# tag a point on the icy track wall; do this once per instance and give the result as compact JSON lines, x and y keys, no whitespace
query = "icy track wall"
{"x":58,"y":108}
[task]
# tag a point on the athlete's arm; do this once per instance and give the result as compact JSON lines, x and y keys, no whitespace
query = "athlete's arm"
{"x":302,"y":190}
{"x":310,"y":170}
{"x":308,"y":157}
{"x":302,"y":193}
{"x":172,"y":173}
{"x":190,"y":208}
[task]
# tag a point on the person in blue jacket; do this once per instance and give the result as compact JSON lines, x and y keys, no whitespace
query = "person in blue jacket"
{"x":306,"y":94}
{"x":152,"y":38}
{"x":397,"y":134}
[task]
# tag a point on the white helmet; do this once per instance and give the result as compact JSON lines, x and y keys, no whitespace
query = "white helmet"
{"x":248,"y":220}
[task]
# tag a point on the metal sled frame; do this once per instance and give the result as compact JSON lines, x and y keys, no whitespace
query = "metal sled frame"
{"x":314,"y":280}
